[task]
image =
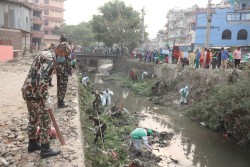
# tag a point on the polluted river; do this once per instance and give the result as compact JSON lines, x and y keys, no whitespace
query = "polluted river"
{"x":191,"y":145}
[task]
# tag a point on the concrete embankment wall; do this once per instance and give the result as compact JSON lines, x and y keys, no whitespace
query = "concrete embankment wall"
{"x":198,"y":80}
{"x":134,"y":63}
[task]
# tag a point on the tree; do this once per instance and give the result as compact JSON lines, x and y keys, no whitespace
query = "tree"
{"x":78,"y":34}
{"x":117,"y":24}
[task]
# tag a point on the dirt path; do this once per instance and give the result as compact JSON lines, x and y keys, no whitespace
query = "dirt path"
{"x":13,"y":121}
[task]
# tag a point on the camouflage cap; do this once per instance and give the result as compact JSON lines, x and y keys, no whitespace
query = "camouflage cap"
{"x":66,"y":47}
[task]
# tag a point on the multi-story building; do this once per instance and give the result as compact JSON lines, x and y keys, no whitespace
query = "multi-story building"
{"x":15,"y":24}
{"x":230,"y":27}
{"x":53,"y":16}
{"x":38,"y":7}
{"x":47,"y":14}
{"x":180,"y":26}
{"x":29,"y":22}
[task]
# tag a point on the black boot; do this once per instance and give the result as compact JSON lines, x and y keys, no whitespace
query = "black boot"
{"x":47,"y":152}
{"x":33,"y":145}
{"x":61,"y":104}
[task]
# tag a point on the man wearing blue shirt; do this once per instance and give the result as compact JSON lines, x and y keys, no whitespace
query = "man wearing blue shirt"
{"x":224,"y":58}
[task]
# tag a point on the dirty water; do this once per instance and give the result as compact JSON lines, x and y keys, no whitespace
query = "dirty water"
{"x":191,"y":145}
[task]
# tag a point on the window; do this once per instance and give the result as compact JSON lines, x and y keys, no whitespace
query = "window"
{"x":244,"y":6}
{"x":183,"y":32}
{"x":6,"y":19}
{"x":233,"y":17}
{"x":226,"y":34}
{"x":27,"y":21}
{"x":245,"y":16}
{"x":46,"y":1}
{"x":46,"y":12}
{"x":242,"y":35}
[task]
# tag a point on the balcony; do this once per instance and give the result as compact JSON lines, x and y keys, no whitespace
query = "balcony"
{"x":37,"y":34}
{"x":37,"y":20}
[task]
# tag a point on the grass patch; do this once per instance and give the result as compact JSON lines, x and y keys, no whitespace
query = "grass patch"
{"x":226,"y":108}
{"x":116,"y":135}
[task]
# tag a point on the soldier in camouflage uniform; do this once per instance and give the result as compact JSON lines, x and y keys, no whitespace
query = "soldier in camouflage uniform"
{"x":63,"y":70}
{"x":35,"y":93}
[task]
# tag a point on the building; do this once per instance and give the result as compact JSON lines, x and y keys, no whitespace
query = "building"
{"x":230,"y":27}
{"x":38,"y":7}
{"x":15,"y":24}
{"x":180,"y":26}
{"x":53,"y":17}
{"x":28,"y":23}
{"x":47,"y":14}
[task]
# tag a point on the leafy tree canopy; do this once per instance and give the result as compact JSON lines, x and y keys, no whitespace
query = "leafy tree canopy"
{"x":117,"y":24}
{"x":78,"y":34}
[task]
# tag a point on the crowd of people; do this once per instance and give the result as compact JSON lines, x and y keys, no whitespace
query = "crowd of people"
{"x":154,"y":56}
{"x":207,"y":58}
{"x":213,"y":59}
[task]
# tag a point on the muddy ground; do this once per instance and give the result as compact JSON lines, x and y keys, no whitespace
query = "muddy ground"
{"x":13,"y":121}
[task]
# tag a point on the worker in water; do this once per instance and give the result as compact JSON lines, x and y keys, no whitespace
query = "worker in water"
{"x":184,"y":94}
{"x":137,"y":136}
{"x":106,"y":100}
{"x":85,"y":81}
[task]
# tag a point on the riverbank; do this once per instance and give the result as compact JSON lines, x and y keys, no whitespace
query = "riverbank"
{"x":215,"y":96}
{"x":115,"y":151}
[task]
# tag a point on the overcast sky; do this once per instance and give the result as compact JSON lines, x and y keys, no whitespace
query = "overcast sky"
{"x":156,"y":10}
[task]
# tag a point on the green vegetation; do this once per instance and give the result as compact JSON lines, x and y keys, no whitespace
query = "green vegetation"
{"x":226,"y":108}
{"x":117,"y":24}
{"x":141,"y":88}
{"x":116,"y":135}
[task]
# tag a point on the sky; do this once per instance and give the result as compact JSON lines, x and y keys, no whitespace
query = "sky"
{"x":156,"y":10}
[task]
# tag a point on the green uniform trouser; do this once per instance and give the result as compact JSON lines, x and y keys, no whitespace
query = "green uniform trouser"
{"x":62,"y":82}
{"x":38,"y":117}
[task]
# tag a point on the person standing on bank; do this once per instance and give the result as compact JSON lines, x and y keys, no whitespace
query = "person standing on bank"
{"x":51,"y":48}
{"x":35,"y":93}
{"x":237,"y":57}
{"x":63,"y":70}
{"x":184,"y":94}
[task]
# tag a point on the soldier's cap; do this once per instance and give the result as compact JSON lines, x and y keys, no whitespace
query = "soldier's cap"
{"x":66,"y":47}
{"x":63,"y":35}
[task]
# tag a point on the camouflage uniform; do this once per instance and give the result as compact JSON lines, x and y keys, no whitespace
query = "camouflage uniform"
{"x":63,"y":70}
{"x":35,"y":93}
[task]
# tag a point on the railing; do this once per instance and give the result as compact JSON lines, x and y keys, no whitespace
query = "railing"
{"x":38,"y":19}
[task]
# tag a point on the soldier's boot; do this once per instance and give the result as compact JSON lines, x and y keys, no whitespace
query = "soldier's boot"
{"x":61,"y":104}
{"x":33,"y":145}
{"x":46,"y":151}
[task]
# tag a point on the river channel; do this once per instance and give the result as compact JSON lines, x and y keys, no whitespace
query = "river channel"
{"x":191,"y":145}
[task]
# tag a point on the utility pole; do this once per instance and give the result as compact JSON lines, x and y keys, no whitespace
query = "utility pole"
{"x":209,"y":20}
{"x":142,"y":27}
